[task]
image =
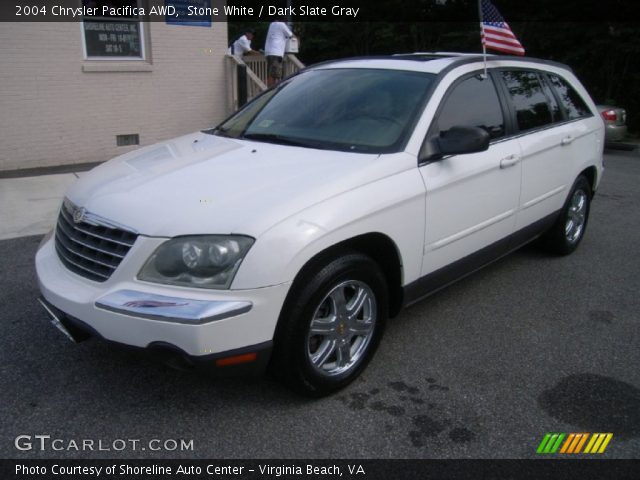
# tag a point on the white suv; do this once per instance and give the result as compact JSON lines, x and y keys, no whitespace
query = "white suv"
{"x":288,"y":235}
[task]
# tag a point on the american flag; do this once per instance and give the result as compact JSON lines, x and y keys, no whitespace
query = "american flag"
{"x":496,"y":33}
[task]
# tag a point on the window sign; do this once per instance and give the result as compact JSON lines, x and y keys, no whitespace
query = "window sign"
{"x":113,"y":37}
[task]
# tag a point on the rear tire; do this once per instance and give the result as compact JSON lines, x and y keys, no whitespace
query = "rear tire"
{"x":567,"y":232}
{"x":331,"y":324}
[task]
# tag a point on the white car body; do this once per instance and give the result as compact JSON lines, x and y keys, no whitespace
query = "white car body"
{"x":298,"y":202}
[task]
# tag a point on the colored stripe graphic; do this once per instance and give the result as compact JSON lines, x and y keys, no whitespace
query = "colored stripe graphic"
{"x":581,"y":443}
{"x":567,"y":443}
{"x":556,"y":445}
{"x":574,"y":442}
{"x":543,"y":443}
{"x":598,"y":443}
{"x":550,"y":443}
{"x":603,"y":447}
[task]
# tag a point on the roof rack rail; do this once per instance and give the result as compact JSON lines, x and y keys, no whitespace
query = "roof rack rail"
{"x":440,"y":54}
{"x":457,"y":58}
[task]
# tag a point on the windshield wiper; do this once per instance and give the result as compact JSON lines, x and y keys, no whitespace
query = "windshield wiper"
{"x":220,"y":131}
{"x":282,"y":140}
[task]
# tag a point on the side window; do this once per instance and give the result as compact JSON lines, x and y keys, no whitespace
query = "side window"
{"x":556,"y":113}
{"x":473,"y":102}
{"x":529,"y":99}
{"x":571,"y":100}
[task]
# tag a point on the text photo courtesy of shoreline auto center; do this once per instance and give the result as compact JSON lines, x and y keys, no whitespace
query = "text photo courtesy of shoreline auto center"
{"x":319,"y":239}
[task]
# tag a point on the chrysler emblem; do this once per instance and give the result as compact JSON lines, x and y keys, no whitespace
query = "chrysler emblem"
{"x":78,"y":215}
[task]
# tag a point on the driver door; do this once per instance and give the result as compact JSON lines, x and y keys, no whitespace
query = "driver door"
{"x":471,"y":199}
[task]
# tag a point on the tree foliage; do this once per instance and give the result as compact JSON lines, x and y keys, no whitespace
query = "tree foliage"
{"x":604,"y":55}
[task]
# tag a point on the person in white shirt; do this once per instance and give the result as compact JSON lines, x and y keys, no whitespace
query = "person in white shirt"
{"x":242,"y":46}
{"x":277,"y":37}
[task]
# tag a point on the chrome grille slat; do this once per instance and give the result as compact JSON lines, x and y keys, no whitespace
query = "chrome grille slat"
{"x":86,"y":231}
{"x":70,"y":248}
{"x":91,"y":250}
{"x":66,"y":260}
{"x":69,"y":232}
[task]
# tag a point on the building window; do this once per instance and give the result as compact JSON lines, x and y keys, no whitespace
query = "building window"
{"x":116,"y":34}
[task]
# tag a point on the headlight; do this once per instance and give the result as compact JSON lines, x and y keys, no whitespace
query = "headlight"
{"x":205,"y":261}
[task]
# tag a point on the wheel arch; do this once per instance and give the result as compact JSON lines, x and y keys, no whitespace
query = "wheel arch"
{"x":591,"y":174}
{"x":380,"y":247}
{"x":291,"y":330}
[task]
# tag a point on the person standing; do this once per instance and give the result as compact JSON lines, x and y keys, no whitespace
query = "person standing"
{"x":242,"y":45}
{"x":277,"y":37}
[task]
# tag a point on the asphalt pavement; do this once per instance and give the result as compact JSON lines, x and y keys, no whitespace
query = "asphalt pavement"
{"x":484,"y":369}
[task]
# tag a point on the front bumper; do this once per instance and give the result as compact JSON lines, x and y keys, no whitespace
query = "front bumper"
{"x":242,"y":361}
{"x":205,"y":326}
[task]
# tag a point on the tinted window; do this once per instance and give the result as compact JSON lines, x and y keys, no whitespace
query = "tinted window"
{"x":529,"y":99}
{"x":572,"y":102}
{"x":473,"y":102}
{"x":556,"y":113}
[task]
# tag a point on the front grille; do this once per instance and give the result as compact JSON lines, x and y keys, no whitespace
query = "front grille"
{"x":89,"y":248}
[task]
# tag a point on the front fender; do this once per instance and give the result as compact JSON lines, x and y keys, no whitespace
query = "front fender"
{"x":393,"y":206}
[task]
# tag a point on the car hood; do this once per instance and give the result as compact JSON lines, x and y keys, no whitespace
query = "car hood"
{"x":201,"y":183}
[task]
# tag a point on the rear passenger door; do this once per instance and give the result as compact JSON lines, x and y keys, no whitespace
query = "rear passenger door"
{"x":471,"y":199}
{"x":581,"y":140}
{"x":545,"y":140}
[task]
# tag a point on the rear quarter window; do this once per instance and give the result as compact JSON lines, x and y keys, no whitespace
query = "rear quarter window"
{"x":574,"y":105}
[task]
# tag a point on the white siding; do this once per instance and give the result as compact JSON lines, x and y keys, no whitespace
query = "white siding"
{"x":54,"y":112}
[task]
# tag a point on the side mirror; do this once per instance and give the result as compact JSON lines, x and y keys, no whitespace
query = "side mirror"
{"x":457,"y":140}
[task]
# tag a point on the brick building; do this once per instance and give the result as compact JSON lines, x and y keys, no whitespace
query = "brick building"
{"x":74,"y":92}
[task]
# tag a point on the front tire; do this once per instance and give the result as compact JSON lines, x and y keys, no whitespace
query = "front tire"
{"x":567,"y":233}
{"x":331,"y":324}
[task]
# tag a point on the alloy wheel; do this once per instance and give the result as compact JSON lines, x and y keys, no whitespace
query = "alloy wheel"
{"x":342,"y":328}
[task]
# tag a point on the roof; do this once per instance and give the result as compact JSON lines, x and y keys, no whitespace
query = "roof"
{"x":430,"y":62}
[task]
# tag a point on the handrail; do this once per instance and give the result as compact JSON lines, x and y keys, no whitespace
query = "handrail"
{"x":254,"y":84}
{"x":256,"y":68}
{"x":293,"y":59}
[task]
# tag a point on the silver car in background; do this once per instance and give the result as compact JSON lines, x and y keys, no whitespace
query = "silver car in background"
{"x":615,"y":121}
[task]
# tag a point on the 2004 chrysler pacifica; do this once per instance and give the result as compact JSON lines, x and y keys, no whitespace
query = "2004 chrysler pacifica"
{"x":288,"y":235}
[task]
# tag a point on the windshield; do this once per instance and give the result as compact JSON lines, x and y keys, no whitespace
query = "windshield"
{"x":365,"y":110}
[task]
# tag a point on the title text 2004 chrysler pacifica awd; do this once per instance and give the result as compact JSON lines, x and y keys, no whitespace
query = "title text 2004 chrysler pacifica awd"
{"x":288,"y":235}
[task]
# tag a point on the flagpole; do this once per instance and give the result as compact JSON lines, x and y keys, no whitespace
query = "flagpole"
{"x":484,"y":47}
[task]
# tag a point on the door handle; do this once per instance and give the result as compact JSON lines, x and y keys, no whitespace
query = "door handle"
{"x":509,"y":161}
{"x":566,"y":140}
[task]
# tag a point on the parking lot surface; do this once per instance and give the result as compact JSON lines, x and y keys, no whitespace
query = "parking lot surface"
{"x":483,"y":369}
